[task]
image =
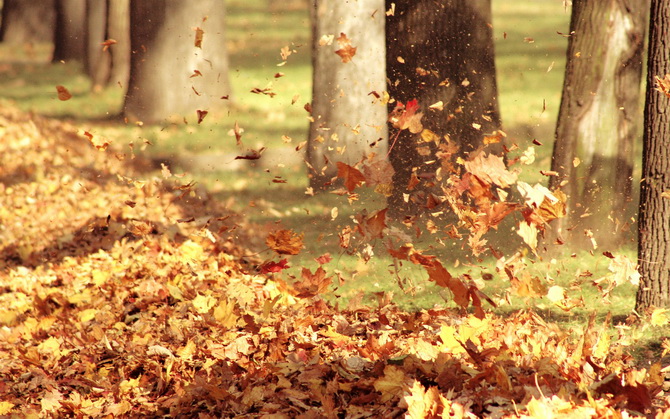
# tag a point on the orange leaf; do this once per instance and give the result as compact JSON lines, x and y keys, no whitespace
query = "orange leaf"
{"x":312,"y":284}
{"x":346,"y":51}
{"x":372,"y":227}
{"x":285,"y":242}
{"x":199,"y":34}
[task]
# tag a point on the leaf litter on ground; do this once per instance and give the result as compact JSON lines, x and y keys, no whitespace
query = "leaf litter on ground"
{"x":149,"y":309}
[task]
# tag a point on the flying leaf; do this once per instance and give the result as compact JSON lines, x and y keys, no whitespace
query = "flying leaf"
{"x":406,"y":116}
{"x":199,"y":34}
{"x":63,"y":93}
{"x":372,"y":227}
{"x":274,"y":267}
{"x":201,"y":115}
{"x":352,"y":177}
{"x":490,"y":168}
{"x":312,"y":284}
{"x":252,"y":155}
{"x":346,"y":51}
{"x":108,"y":43}
{"x":285,"y":242}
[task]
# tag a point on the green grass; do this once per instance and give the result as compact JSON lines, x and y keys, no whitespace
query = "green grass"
{"x":530,"y":76}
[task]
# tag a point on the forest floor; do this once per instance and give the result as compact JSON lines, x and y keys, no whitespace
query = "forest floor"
{"x":133,"y":293}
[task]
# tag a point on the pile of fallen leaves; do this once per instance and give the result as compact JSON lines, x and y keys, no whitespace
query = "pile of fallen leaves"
{"x":122,"y":293}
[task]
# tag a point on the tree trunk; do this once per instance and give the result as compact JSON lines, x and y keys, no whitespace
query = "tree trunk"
{"x":163,"y":80}
{"x":108,"y":20}
{"x":597,"y":120}
{"x":25,"y":21}
{"x":347,"y":109}
{"x":69,"y":38}
{"x":98,"y":62}
{"x":654,"y":220}
{"x":438,"y":51}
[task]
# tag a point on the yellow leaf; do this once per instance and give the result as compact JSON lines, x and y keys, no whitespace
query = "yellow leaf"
{"x":191,"y":250}
{"x":86,"y":315}
{"x":127,"y":385}
{"x":50,"y":347}
{"x":100,"y":277}
{"x":6,"y":408}
{"x":449,"y":341}
{"x":203,"y":304}
{"x":660,"y":317}
{"x":556,"y":294}
{"x":187,"y":351}
{"x":224,"y":313}
{"x":528,"y":233}
{"x":391,"y":384}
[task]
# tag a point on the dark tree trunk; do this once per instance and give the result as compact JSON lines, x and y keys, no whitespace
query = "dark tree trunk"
{"x":25,"y":21}
{"x":347,"y":110}
{"x":439,"y":51}
{"x":654,"y":222}
{"x":164,"y":58}
{"x":597,"y":120}
{"x":108,"y":20}
{"x":69,"y":37}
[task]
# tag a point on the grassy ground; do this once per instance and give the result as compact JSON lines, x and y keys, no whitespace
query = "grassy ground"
{"x":530,"y":60}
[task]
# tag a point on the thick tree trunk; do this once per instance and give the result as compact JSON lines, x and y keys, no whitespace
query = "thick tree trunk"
{"x":164,"y":59}
{"x":347,"y":109}
{"x":69,"y":38}
{"x":439,"y":51}
{"x":597,"y":120}
{"x":654,"y":221}
{"x":108,"y":20}
{"x":25,"y":21}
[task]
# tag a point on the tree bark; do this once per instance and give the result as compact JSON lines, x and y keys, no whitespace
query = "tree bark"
{"x":26,"y":21}
{"x":654,"y":219}
{"x":597,"y":120}
{"x":69,"y":37}
{"x":438,"y":51}
{"x":97,"y":62}
{"x":164,"y":59}
{"x":348,"y":115}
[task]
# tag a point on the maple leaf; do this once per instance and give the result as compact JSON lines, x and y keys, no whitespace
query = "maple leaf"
{"x":323,"y":259}
{"x":274,"y":267}
{"x":312,"y":284}
{"x":346,"y":51}
{"x":438,"y":274}
{"x":97,"y":141}
{"x":285,"y":242}
{"x":352,"y":176}
{"x":63,"y":93}
{"x":372,"y":227}
{"x":490,"y":168}
{"x":406,"y":117}
{"x":253,"y":155}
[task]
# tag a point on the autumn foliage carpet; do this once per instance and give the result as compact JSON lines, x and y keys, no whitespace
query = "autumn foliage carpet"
{"x":123,"y":294}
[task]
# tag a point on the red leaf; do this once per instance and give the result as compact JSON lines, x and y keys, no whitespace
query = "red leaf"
{"x":323,"y":259}
{"x":273,"y":267}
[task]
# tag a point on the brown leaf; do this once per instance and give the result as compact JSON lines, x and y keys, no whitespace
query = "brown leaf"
{"x":285,"y":242}
{"x":372,"y":227}
{"x":63,"y":93}
{"x":201,"y":115}
{"x":312,"y":284}
{"x":199,"y":33}
{"x":346,"y":51}
{"x":352,"y":177}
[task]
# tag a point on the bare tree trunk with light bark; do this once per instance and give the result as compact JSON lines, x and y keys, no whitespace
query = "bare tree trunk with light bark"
{"x":348,"y":114}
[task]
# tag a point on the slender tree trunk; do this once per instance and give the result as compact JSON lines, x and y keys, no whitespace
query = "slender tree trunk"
{"x":654,"y":222}
{"x":118,"y":29}
{"x":438,"y":51}
{"x":69,"y":38}
{"x":347,"y":109}
{"x":596,"y":128}
{"x":108,"y":20}
{"x":97,"y":61}
{"x":164,"y":59}
{"x":25,"y":21}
